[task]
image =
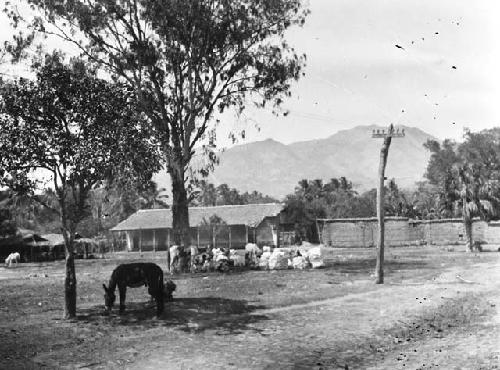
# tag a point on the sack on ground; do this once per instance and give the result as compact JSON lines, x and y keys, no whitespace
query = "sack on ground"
{"x":278,"y":261}
{"x":316,"y":257}
{"x":264,"y":260}
{"x":300,"y":263}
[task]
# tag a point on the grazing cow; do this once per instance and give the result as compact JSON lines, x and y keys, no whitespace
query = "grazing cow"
{"x":12,"y":258}
{"x":135,"y":275}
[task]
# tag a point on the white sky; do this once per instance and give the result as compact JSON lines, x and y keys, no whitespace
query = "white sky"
{"x":356,"y":75}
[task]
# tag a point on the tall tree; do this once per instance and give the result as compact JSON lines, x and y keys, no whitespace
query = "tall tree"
{"x":77,"y":128}
{"x":185,"y":60}
{"x":443,"y":159}
{"x":468,"y":177}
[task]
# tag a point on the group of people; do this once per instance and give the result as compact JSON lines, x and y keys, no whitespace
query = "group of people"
{"x":193,"y":260}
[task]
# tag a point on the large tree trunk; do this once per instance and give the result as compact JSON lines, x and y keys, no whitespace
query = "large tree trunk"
{"x":180,"y":209}
{"x":70,"y":279}
{"x":70,"y":285}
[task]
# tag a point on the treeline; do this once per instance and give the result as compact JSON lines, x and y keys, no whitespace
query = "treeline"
{"x":207,"y":194}
{"x":105,"y":208}
{"x":461,"y":180}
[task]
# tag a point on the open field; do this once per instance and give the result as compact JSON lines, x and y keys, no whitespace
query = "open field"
{"x":333,"y":318}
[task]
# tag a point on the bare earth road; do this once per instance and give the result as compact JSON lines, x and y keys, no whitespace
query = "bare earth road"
{"x":452,"y":322}
{"x":439,"y":308}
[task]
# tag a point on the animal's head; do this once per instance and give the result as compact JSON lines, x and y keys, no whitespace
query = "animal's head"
{"x":169,"y":288}
{"x":109,"y":298}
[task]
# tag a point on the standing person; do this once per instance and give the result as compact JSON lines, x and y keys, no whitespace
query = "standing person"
{"x":194,"y":254}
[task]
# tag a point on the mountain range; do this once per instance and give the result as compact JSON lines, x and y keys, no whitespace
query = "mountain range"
{"x":274,"y":168}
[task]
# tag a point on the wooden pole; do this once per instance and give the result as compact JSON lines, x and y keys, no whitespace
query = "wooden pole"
{"x":246,"y":234}
{"x":213,"y":235}
{"x":168,"y":250}
{"x":229,"y":236}
{"x":320,"y":237}
{"x":379,"y":268}
{"x":140,"y":240}
{"x":154,"y":240}
{"x":198,"y":236}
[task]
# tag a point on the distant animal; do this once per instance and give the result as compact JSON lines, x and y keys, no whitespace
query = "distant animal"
{"x":135,"y":275}
{"x":12,"y":258}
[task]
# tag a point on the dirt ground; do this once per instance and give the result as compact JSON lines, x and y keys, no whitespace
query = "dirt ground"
{"x":437,"y":309}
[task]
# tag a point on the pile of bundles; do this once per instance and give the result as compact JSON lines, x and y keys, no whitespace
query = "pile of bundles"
{"x":222,"y":259}
{"x":284,"y":258}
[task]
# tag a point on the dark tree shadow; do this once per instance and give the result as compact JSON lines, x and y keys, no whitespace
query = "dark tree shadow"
{"x":226,"y":316}
{"x":367,"y":265}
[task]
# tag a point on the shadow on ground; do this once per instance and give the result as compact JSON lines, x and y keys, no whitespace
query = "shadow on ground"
{"x":366,"y":266}
{"x":226,"y":316}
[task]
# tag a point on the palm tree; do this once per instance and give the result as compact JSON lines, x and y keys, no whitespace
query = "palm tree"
{"x":478,"y":197}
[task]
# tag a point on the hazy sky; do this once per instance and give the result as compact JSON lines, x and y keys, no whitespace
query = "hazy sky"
{"x":357,"y":76}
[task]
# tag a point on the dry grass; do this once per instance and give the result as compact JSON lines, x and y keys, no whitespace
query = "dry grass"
{"x":207,"y":305}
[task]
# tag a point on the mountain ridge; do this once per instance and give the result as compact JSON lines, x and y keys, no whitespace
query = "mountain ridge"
{"x":274,"y":168}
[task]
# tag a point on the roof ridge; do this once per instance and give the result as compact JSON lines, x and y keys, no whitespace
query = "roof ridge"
{"x":207,"y":207}
{"x":237,"y":205}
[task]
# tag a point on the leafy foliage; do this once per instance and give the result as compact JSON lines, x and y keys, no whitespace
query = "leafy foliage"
{"x":469,"y":180}
{"x":82,"y":131}
{"x":207,"y":194}
{"x":185,"y":61}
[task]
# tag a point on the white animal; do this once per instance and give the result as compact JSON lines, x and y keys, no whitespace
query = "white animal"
{"x":12,"y":258}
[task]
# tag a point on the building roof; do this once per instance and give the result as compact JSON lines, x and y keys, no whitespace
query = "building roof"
{"x":248,"y":214}
{"x":54,"y":239}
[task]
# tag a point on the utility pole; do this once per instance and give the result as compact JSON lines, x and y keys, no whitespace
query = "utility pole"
{"x":387,"y":136}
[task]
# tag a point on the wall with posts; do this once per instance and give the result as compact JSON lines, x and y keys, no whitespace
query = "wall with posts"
{"x":399,"y":231}
{"x":234,"y":236}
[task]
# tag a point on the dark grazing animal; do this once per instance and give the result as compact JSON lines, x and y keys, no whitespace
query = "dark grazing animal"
{"x":135,"y":275}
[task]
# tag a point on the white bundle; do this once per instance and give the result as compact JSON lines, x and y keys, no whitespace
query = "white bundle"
{"x":299,"y":262}
{"x":278,"y":261}
{"x":264,"y":260}
{"x":252,"y":248}
{"x":315,"y":257}
{"x":266,"y":249}
{"x":220,"y":257}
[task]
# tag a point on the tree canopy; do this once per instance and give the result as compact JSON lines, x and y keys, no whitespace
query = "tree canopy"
{"x":185,"y":61}
{"x":82,"y":131}
{"x":467,"y":176}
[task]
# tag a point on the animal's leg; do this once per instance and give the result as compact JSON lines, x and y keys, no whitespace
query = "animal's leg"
{"x":123,"y":294}
{"x":159,"y":303}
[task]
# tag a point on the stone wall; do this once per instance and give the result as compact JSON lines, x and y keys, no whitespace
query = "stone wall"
{"x":399,"y":231}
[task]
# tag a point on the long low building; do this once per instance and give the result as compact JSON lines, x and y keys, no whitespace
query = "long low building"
{"x":401,"y":231}
{"x":230,"y":226}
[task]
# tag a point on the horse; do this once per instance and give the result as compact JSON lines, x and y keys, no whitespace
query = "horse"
{"x":135,"y":275}
{"x":12,"y":258}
